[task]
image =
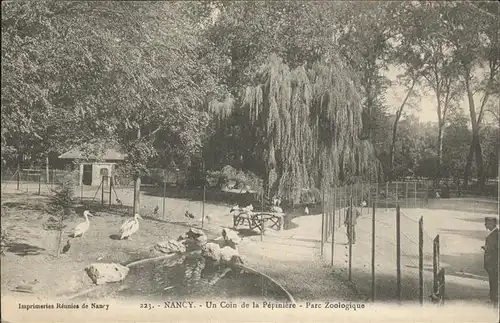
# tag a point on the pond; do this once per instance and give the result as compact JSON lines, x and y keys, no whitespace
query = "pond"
{"x":188,"y":277}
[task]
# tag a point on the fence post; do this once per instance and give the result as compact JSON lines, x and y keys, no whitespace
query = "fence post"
{"x":362,"y":195}
{"x":39,"y":183}
{"x":442,"y":285}
{"x":18,"y":177}
{"x":398,"y":251}
{"x":369,"y":199}
{"x":373,"y":253}
{"x":164,"y":193}
{"x":376,"y":194}
{"x":397,"y":196}
{"x":406,"y":194}
{"x":333,"y":221}
{"x":350,"y":230}
{"x":203,"y":201}
{"x":81,"y":191}
{"x":421,"y":260}
{"x":426,"y":198}
{"x":340,"y":205}
{"x":435,"y":263}
{"x":102,"y":190}
{"x":322,"y":220}
{"x":415,"y":200}
{"x":110,"y":186}
{"x":262,"y":217}
{"x":386,"y":194}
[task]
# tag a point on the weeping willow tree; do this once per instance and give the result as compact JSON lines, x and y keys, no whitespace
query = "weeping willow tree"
{"x":305,"y":127}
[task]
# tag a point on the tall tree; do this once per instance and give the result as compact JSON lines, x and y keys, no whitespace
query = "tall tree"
{"x":421,"y":38}
{"x":472,"y":30}
{"x":305,"y":126}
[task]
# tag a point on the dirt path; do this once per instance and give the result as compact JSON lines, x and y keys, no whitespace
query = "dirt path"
{"x":461,"y":236}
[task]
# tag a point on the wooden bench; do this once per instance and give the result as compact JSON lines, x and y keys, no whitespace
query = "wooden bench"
{"x":258,"y":220}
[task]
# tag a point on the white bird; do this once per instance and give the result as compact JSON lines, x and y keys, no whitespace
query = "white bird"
{"x":363,"y":204}
{"x":129,"y":227}
{"x":306,"y":210}
{"x":84,"y":226}
{"x":234,"y":208}
{"x":248,"y":208}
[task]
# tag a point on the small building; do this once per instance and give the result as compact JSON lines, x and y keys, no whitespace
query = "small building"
{"x":94,"y":168}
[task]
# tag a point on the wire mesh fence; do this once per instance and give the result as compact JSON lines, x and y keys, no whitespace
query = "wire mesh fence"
{"x":387,"y":253}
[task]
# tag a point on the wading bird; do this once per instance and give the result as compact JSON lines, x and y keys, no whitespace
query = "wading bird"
{"x":66,"y":247}
{"x":129,"y":227}
{"x":84,"y":226}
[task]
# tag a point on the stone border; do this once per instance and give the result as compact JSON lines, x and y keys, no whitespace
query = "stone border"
{"x":135,"y":263}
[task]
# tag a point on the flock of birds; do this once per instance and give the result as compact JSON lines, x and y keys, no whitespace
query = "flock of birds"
{"x":131,"y":226}
{"x":126,"y":230}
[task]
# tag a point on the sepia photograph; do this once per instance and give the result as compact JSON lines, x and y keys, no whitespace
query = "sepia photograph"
{"x":250,"y":161}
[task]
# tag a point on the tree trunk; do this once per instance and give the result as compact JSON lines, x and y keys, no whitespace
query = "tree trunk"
{"x":476,"y":123}
{"x":395,"y":129}
{"x":481,"y":174}
{"x":439,"y":152}
{"x":468,"y":166}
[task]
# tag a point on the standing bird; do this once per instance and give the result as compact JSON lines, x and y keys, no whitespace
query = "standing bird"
{"x":363,"y":204}
{"x":84,"y":226}
{"x":189,"y":215}
{"x":66,"y":247}
{"x":129,"y":227}
{"x":155,"y":211}
{"x":306,"y":210}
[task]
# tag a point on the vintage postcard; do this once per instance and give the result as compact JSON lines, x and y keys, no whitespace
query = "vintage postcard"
{"x":250,"y":161}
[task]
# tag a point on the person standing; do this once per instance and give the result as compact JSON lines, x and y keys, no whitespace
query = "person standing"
{"x":351,"y":225}
{"x":491,"y":257}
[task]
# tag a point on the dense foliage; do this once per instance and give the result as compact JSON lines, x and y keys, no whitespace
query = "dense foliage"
{"x":294,"y":91}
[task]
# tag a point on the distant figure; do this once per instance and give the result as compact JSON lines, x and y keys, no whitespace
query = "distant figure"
{"x":155,"y":211}
{"x":491,"y":257}
{"x":306,"y":210}
{"x":437,"y":194}
{"x":351,"y":226}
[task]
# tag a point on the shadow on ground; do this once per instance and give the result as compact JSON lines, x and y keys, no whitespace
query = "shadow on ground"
{"x":23,"y":249}
{"x":385,"y":286}
{"x":479,"y":235}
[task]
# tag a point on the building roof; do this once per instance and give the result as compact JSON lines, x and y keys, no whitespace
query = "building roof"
{"x":109,"y":154}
